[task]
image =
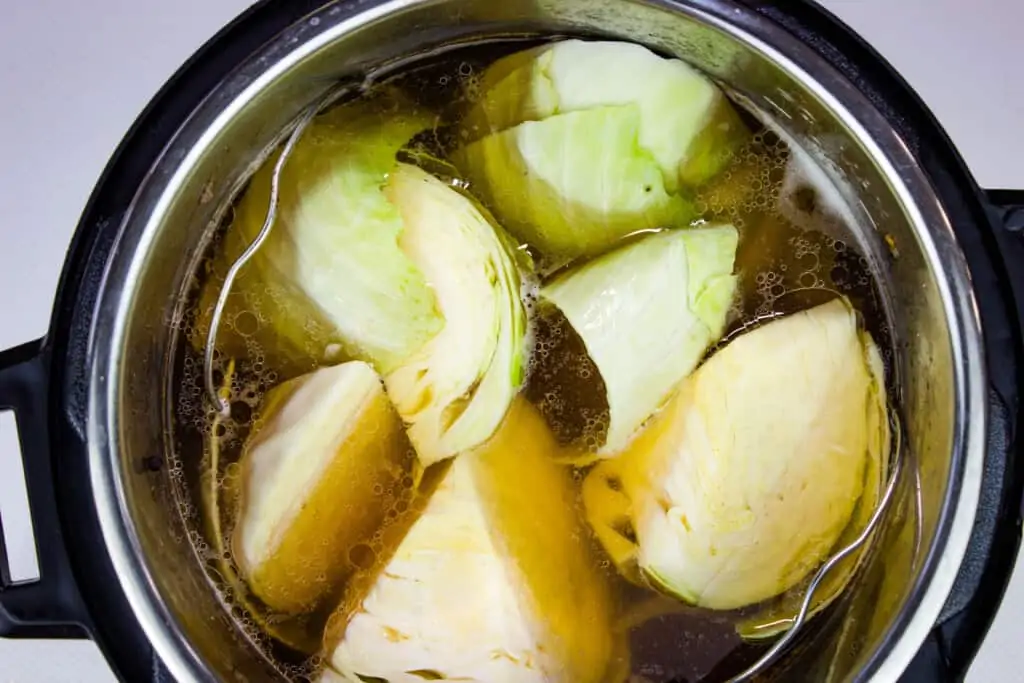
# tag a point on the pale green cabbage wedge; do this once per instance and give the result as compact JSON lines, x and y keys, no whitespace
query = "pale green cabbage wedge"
{"x":752,"y":473}
{"x":494,"y":582}
{"x":647,"y":313}
{"x":573,"y":184}
{"x":318,"y":477}
{"x":454,"y":391}
{"x":686,"y":123}
{"x":330,"y":283}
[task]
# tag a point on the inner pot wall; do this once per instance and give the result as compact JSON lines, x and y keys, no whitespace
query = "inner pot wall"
{"x":177,"y":209}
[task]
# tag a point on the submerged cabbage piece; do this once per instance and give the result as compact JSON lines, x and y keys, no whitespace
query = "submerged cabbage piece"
{"x":647,"y":312}
{"x":579,"y":143}
{"x":750,"y":475}
{"x":494,"y":582}
{"x":318,"y":478}
{"x":454,"y":391}
{"x":330,"y":282}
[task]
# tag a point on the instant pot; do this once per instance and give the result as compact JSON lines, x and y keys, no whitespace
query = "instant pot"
{"x":92,"y":398}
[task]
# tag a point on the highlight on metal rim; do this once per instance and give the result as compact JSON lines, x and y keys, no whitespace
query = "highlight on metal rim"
{"x":776,"y":650}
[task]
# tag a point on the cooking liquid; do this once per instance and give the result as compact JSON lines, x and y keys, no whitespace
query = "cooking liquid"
{"x":782,"y":268}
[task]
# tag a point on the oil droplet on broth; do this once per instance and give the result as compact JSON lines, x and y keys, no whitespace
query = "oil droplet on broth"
{"x":362,"y":556}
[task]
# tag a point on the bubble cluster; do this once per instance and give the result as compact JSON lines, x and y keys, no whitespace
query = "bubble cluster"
{"x":784,"y":258}
{"x":750,"y":185}
{"x":197,"y":422}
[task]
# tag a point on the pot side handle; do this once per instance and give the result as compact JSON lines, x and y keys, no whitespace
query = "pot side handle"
{"x":1006,"y":207}
{"x":50,"y":606}
{"x":1007,"y":210}
{"x":949,"y":650}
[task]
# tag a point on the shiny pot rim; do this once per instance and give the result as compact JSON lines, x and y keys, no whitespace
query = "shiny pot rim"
{"x":333,"y":22}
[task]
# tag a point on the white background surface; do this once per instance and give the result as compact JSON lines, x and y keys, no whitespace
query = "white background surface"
{"x":73,"y":76}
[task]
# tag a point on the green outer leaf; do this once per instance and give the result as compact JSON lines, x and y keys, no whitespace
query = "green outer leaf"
{"x":330,"y":282}
{"x":647,"y":313}
{"x":686,"y":122}
{"x":573,"y":184}
{"x":662,"y":585}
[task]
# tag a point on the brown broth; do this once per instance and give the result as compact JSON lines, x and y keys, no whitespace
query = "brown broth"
{"x":782,"y":268}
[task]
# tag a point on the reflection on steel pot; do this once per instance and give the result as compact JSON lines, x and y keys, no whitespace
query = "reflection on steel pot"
{"x":114,"y":498}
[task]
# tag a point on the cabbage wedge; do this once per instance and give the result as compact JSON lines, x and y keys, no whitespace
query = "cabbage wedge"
{"x":755,"y":469}
{"x":494,"y":582}
{"x":330,"y":283}
{"x":647,"y":313}
{"x":454,"y":391}
{"x":573,"y":184}
{"x":376,"y":260}
{"x":576,"y":144}
{"x":318,"y":478}
{"x":686,"y":124}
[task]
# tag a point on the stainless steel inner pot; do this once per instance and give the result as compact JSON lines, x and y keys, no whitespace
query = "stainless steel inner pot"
{"x":888,"y":611}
